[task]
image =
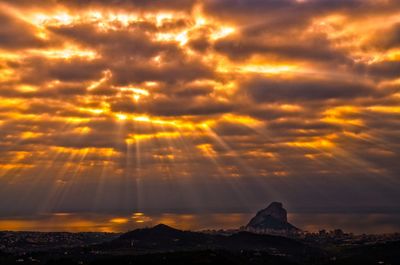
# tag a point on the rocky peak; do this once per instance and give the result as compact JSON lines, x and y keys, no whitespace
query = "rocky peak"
{"x":273,"y":217}
{"x":276,"y":210}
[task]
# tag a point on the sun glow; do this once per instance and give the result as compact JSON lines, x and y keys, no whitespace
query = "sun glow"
{"x":222,"y":33}
{"x":267,"y":69}
{"x":318,"y":143}
{"x":340,"y":115}
{"x":67,"y":53}
{"x":119,"y":220}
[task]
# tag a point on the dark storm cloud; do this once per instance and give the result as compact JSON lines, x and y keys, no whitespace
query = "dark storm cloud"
{"x":381,"y":70}
{"x":132,"y":127}
{"x":193,"y":90}
{"x":272,"y":113}
{"x":125,"y":104}
{"x":36,"y":70}
{"x":315,"y":49}
{"x":309,"y":129}
{"x":262,"y":9}
{"x":185,"y":106}
{"x":143,"y":5}
{"x":388,"y":38}
{"x":16,"y":34}
{"x":178,"y":70}
{"x":226,"y":128}
{"x":304,"y":89}
{"x":132,"y":43}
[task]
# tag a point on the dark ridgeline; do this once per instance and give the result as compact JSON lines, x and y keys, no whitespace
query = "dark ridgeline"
{"x":165,"y":238}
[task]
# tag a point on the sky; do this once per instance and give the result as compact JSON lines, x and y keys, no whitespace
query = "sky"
{"x":199,"y":106}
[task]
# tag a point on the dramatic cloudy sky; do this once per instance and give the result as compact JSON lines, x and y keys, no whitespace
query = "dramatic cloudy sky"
{"x":199,"y":105}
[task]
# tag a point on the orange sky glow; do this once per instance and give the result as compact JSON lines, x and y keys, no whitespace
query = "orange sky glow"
{"x":202,"y":105}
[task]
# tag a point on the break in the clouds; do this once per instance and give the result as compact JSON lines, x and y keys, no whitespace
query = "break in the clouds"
{"x":210,"y":104}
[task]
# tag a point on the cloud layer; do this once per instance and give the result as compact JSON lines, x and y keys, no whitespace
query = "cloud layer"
{"x":120,"y":100}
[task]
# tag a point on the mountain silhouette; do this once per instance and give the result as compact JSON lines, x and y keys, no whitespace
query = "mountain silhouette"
{"x":274,"y":217}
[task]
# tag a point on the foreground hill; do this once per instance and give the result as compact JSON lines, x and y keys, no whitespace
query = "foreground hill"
{"x":386,"y":253}
{"x":164,"y":238}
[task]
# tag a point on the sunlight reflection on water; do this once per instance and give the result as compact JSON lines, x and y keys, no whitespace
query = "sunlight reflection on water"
{"x":73,"y":222}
